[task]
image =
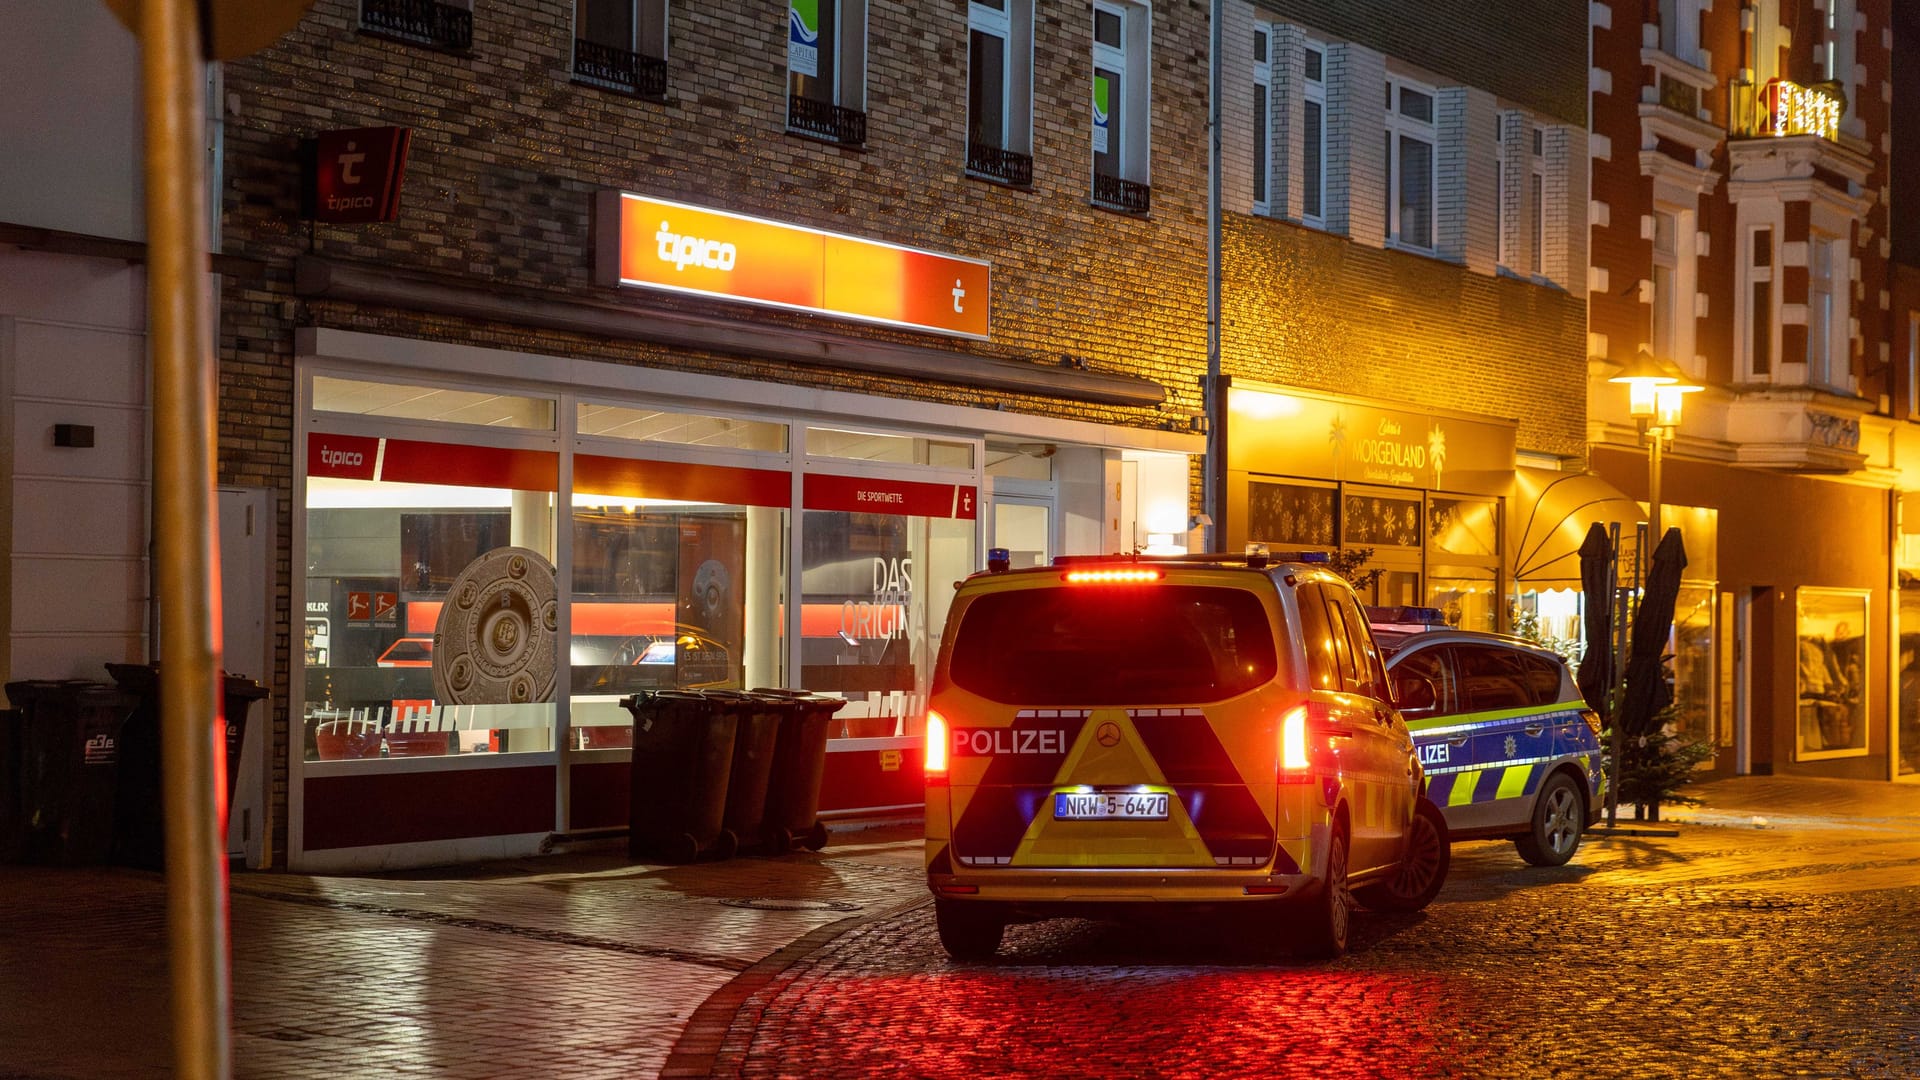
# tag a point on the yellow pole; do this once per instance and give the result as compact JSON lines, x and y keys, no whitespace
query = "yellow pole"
{"x":185,"y":538}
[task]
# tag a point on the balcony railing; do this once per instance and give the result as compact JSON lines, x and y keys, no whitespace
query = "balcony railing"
{"x":619,"y":69}
{"x":823,"y":119}
{"x":423,"y":22}
{"x":1006,"y":166}
{"x":1115,"y":193}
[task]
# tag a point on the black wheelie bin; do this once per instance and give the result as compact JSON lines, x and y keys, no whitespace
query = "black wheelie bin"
{"x":682,"y":753}
{"x":757,"y":720}
{"x":71,"y":738}
{"x":799,"y":761}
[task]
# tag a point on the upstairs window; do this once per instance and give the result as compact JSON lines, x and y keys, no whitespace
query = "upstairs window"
{"x":826,"y":69}
{"x":1262,"y":120}
{"x":999,"y":90}
{"x":1825,"y":355}
{"x":444,"y":25}
{"x":1760,"y":297}
{"x":1313,"y":132}
{"x":1666,"y":264}
{"x":1410,"y":161}
{"x":621,"y":45}
{"x":1503,"y":212}
{"x":1537,"y":206}
{"x":1680,"y":30}
{"x":1120,"y":107}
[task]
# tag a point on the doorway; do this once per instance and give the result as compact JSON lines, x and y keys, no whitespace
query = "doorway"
{"x":1023,"y":524}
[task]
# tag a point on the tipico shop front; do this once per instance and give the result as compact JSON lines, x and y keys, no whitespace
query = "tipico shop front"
{"x":608,"y":530}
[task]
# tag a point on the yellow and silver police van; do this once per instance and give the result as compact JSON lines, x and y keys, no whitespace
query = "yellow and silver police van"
{"x":1111,"y":737}
{"x":1510,"y":748}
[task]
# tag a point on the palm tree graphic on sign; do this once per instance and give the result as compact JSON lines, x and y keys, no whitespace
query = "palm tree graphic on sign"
{"x":1437,"y":452}
{"x":1337,"y":438}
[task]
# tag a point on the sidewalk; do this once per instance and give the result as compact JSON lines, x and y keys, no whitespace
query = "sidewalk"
{"x":577,"y":965}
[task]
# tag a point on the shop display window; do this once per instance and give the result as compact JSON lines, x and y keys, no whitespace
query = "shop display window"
{"x":1466,"y":595}
{"x":686,"y":429}
{"x":889,"y":449}
{"x":1832,"y":684}
{"x":1693,"y":654}
{"x":411,"y":401}
{"x":1370,"y":519}
{"x":383,"y":560}
{"x":875,"y":589}
{"x":1907,"y":763}
{"x":1290,"y":515}
{"x":670,"y":594}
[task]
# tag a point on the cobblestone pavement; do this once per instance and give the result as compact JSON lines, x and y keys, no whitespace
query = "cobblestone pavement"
{"x":1776,"y":947}
{"x":1779,"y":950}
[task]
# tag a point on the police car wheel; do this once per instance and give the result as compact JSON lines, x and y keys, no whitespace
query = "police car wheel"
{"x":1557,"y":819}
{"x":1324,"y":923}
{"x":1423,"y":869}
{"x":966,"y":932}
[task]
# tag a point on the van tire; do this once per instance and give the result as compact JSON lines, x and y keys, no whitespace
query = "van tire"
{"x":1423,"y":869}
{"x":1558,"y":816}
{"x":968,"y":931}
{"x":1326,"y":919}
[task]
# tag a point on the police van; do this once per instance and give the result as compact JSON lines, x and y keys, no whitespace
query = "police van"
{"x":1122,"y":736}
{"x":1510,"y":749}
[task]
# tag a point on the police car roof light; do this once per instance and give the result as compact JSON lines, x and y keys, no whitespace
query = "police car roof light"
{"x":1418,"y":616}
{"x":999,"y":559}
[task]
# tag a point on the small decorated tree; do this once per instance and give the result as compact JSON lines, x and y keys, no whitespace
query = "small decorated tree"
{"x":1657,"y":765}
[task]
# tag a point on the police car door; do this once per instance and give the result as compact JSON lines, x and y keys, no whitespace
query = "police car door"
{"x":1378,"y":768}
{"x":1510,"y":739}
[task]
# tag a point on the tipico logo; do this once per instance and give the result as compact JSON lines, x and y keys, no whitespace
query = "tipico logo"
{"x":803,"y":37}
{"x":684,"y":251}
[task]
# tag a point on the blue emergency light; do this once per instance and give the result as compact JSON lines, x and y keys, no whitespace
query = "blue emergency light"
{"x":999,"y":559}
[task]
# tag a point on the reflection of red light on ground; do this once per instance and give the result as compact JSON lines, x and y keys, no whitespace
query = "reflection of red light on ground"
{"x":1130,"y":1020}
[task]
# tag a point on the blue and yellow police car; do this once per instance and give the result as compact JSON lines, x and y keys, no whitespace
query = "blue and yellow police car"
{"x":1131,"y":736}
{"x":1510,"y":748}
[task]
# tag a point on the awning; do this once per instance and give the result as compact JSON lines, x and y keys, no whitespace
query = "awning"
{"x":1551,"y":514}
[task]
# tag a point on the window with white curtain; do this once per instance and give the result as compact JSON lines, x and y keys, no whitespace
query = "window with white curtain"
{"x":1410,"y":164}
{"x":1313,"y":130}
{"x":1262,"y":119}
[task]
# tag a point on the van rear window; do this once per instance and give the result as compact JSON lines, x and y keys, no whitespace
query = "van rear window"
{"x":1151,"y":645}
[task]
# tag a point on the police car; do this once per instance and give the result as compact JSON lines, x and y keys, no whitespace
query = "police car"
{"x":1111,"y":737}
{"x":1510,"y":749}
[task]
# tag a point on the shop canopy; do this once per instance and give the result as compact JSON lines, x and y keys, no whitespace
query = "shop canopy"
{"x":1551,"y":514}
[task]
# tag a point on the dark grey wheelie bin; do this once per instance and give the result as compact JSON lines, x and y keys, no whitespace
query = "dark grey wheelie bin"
{"x":757,"y":720}
{"x":139,"y":824}
{"x":70,"y":745}
{"x":799,"y":761}
{"x":682,"y":753}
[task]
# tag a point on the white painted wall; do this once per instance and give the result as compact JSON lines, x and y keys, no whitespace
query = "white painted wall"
{"x":73,"y":567}
{"x":71,"y":126}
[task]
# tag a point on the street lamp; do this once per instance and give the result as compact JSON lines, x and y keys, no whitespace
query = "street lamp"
{"x":1655,"y":390}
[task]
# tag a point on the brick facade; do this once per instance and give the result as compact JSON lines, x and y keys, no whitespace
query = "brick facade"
{"x":507,"y":152}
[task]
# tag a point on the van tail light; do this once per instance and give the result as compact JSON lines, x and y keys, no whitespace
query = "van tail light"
{"x":1593,"y":720}
{"x":1293,"y":746}
{"x":936,"y":752}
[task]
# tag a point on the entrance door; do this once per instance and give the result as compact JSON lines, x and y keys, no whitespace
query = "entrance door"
{"x":1023,"y":525}
{"x":246,"y":647}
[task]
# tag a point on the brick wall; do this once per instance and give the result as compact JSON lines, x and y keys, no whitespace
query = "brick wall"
{"x":507,"y":152}
{"x":1531,"y":52}
{"x":1308,"y":309}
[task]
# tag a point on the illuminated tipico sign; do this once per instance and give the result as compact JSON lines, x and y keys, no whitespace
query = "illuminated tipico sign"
{"x":1792,"y":109}
{"x":655,"y":244}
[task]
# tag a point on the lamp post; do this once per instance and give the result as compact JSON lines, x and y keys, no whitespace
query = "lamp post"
{"x":1655,"y":393}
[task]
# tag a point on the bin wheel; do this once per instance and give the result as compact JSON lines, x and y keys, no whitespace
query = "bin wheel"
{"x":816,"y":837}
{"x":725,"y":846}
{"x":779,"y":841}
{"x":680,"y":849}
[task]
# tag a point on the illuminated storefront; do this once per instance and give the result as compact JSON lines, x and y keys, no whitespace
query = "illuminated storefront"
{"x":1421,"y":490}
{"x":702,"y":532}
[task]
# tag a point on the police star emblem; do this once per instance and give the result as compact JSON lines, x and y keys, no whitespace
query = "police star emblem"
{"x":1511,"y":746}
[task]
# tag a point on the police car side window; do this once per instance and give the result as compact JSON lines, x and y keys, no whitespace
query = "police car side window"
{"x":1322,"y":668}
{"x":1350,"y":677}
{"x":1429,"y":664}
{"x":1366,"y":658}
{"x":1543,"y":676}
{"x":1491,"y":679}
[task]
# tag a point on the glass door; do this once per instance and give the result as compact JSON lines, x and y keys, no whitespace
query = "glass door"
{"x":1024,"y":526}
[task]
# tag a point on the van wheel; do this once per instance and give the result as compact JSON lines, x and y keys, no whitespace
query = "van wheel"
{"x":1423,"y":869}
{"x":967,"y":931}
{"x":1325,"y":920}
{"x":1557,"y":820}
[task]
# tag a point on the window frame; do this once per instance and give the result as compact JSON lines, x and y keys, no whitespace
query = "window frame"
{"x":1263,"y":38}
{"x":1129,"y":116}
{"x":1754,"y":274}
{"x":1667,"y":299}
{"x":845,"y":45}
{"x":1537,"y":198}
{"x":1913,"y":365}
{"x":1834,"y":363}
{"x":1314,"y":95}
{"x":1400,"y":127}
